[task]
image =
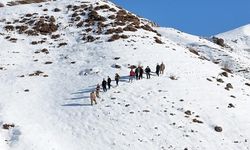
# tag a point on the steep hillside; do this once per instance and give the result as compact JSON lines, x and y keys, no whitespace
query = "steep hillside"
{"x":238,"y":38}
{"x":54,"y":53}
{"x":231,"y":56}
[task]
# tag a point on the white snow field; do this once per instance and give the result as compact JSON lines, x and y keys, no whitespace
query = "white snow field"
{"x":46,"y":79}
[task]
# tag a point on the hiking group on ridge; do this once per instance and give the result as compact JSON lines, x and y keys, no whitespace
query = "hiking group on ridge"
{"x":137,"y":74}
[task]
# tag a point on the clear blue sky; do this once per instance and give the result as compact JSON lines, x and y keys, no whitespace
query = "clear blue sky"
{"x":199,"y":17}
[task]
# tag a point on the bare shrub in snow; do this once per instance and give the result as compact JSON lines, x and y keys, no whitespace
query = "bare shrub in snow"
{"x":192,"y":50}
{"x":173,"y":77}
{"x":197,"y":121}
{"x":230,"y":105}
{"x":8,"y":126}
{"x":57,"y":10}
{"x":114,"y":37}
{"x":229,"y":86}
{"x":218,"y":41}
{"x":157,"y":40}
{"x":1,"y":5}
{"x":24,"y":2}
{"x":225,"y":74}
{"x":116,"y":66}
{"x":218,"y":129}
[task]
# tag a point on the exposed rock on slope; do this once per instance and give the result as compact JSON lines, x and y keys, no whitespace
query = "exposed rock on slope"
{"x":93,"y":20}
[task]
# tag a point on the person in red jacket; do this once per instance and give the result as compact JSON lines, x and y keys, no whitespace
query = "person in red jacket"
{"x":131,"y":75}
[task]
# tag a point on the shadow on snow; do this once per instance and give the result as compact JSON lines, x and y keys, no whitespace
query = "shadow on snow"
{"x":81,"y":95}
{"x":76,"y":104}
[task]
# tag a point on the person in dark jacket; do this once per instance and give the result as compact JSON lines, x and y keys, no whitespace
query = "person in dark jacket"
{"x":117,"y":78}
{"x":158,"y":67}
{"x":140,"y":72}
{"x":148,"y":71}
{"x":109,"y":82}
{"x":98,"y":91}
{"x":104,"y":85}
{"x":137,"y":73}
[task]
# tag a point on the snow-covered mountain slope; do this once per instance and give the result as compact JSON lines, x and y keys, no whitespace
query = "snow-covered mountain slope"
{"x":235,"y":57}
{"x":238,"y":38}
{"x":53,"y":55}
{"x":4,"y":2}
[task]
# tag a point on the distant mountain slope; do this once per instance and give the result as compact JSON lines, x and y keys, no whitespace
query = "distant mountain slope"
{"x":238,"y":38}
{"x":234,"y":57}
{"x":53,"y":55}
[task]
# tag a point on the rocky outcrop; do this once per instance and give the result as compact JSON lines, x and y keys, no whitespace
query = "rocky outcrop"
{"x":33,"y":25}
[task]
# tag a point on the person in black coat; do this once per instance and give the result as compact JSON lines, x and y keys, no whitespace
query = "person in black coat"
{"x":148,"y":71}
{"x":137,"y":73}
{"x":158,"y":67}
{"x":97,"y":91}
{"x":104,"y":85}
{"x":109,"y":82}
{"x":140,"y":72}
{"x":117,"y":78}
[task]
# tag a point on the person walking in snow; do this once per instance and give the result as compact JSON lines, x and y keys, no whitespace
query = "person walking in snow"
{"x":93,"y":97}
{"x":157,"y":69}
{"x":104,"y":85}
{"x":109,"y":82}
{"x":131,"y":75}
{"x":117,"y":78}
{"x":162,"y":68}
{"x":97,"y":91}
{"x":148,"y":71}
{"x":140,"y":72}
{"x":137,"y":73}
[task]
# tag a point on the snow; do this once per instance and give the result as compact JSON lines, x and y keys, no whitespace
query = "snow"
{"x":148,"y":114}
{"x":236,"y":59}
{"x":5,"y":1}
{"x":241,"y":31}
{"x":239,"y":39}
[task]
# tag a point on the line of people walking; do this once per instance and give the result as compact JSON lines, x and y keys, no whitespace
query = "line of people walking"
{"x":137,"y":74}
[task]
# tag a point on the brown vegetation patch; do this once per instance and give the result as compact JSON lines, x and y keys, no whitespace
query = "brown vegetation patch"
{"x":36,"y":73}
{"x":114,"y":37}
{"x":114,"y":30}
{"x":130,"y":28}
{"x":94,"y":16}
{"x":8,"y":126}
{"x":192,"y":50}
{"x":45,"y":51}
{"x":62,"y":44}
{"x":218,"y":41}
{"x":197,"y":121}
{"x":12,"y":3}
{"x":157,"y":40}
